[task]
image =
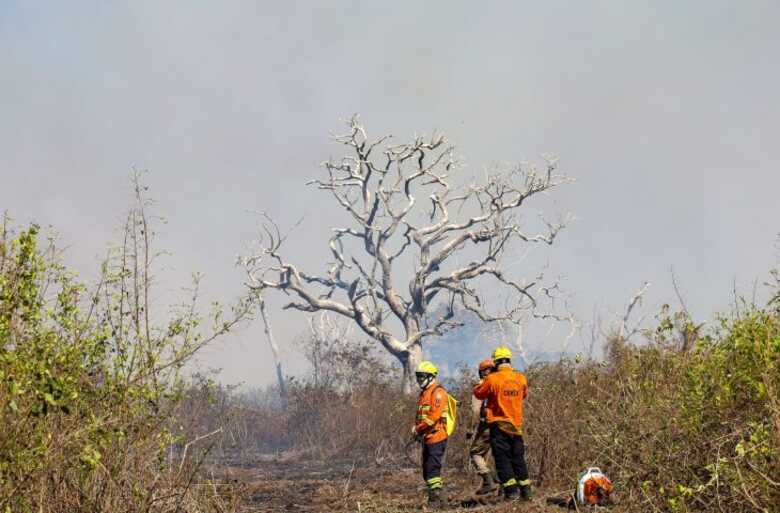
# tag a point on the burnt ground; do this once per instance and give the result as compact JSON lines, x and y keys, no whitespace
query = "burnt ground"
{"x":273,"y":485}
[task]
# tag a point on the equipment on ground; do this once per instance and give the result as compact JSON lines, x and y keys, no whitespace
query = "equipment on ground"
{"x":593,"y":487}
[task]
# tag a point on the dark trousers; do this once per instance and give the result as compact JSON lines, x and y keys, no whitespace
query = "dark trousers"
{"x":509,"y":453}
{"x":432,"y":458}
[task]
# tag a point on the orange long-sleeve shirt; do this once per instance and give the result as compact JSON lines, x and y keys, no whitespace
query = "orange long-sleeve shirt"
{"x":430,"y":420}
{"x":504,"y":391}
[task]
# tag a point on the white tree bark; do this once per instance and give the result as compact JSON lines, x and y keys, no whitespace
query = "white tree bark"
{"x":402,"y":199}
{"x":274,"y":350}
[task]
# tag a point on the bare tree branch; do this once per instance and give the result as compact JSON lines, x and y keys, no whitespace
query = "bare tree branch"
{"x":400,"y":200}
{"x":677,"y":291}
{"x":624,"y":332}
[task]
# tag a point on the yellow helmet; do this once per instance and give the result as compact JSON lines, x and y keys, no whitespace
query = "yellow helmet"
{"x":427,"y":367}
{"x":502,"y":353}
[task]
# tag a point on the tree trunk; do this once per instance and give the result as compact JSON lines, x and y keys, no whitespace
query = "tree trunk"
{"x":410,"y":360}
{"x":275,"y":351}
{"x":280,"y":380}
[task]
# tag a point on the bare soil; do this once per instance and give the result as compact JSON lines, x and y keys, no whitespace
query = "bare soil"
{"x":275,"y":485}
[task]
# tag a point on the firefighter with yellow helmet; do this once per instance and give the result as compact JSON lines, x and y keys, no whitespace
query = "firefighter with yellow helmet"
{"x":431,"y":426}
{"x":504,"y":391}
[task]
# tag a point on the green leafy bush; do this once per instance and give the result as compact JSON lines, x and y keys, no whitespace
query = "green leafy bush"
{"x":682,"y":423}
{"x":88,"y":382}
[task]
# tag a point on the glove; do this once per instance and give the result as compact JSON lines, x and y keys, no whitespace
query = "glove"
{"x":417,"y":437}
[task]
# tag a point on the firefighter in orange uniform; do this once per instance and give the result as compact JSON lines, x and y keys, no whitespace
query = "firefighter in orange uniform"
{"x":431,"y":427}
{"x":504,"y":390}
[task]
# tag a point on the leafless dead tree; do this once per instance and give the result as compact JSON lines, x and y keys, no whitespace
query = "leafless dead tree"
{"x":402,"y":200}
{"x":625,"y":332}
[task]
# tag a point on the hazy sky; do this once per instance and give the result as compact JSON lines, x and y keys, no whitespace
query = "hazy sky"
{"x":666,"y":113}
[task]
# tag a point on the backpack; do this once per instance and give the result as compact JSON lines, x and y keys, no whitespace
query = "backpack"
{"x":451,"y":413}
{"x":594,"y":487}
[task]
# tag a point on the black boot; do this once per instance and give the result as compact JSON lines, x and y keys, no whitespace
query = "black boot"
{"x":511,"y":493}
{"x":525,"y":492}
{"x":435,"y":499}
{"x":489,"y":485}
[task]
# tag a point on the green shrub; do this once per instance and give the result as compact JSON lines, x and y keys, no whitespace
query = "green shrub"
{"x":681,"y":423}
{"x":88,"y":383}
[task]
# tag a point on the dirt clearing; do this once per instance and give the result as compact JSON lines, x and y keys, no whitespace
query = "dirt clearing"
{"x":286,"y":486}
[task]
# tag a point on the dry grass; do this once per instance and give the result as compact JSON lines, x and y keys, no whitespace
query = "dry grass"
{"x":95,"y":415}
{"x":338,"y":487}
{"x":677,"y":429}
